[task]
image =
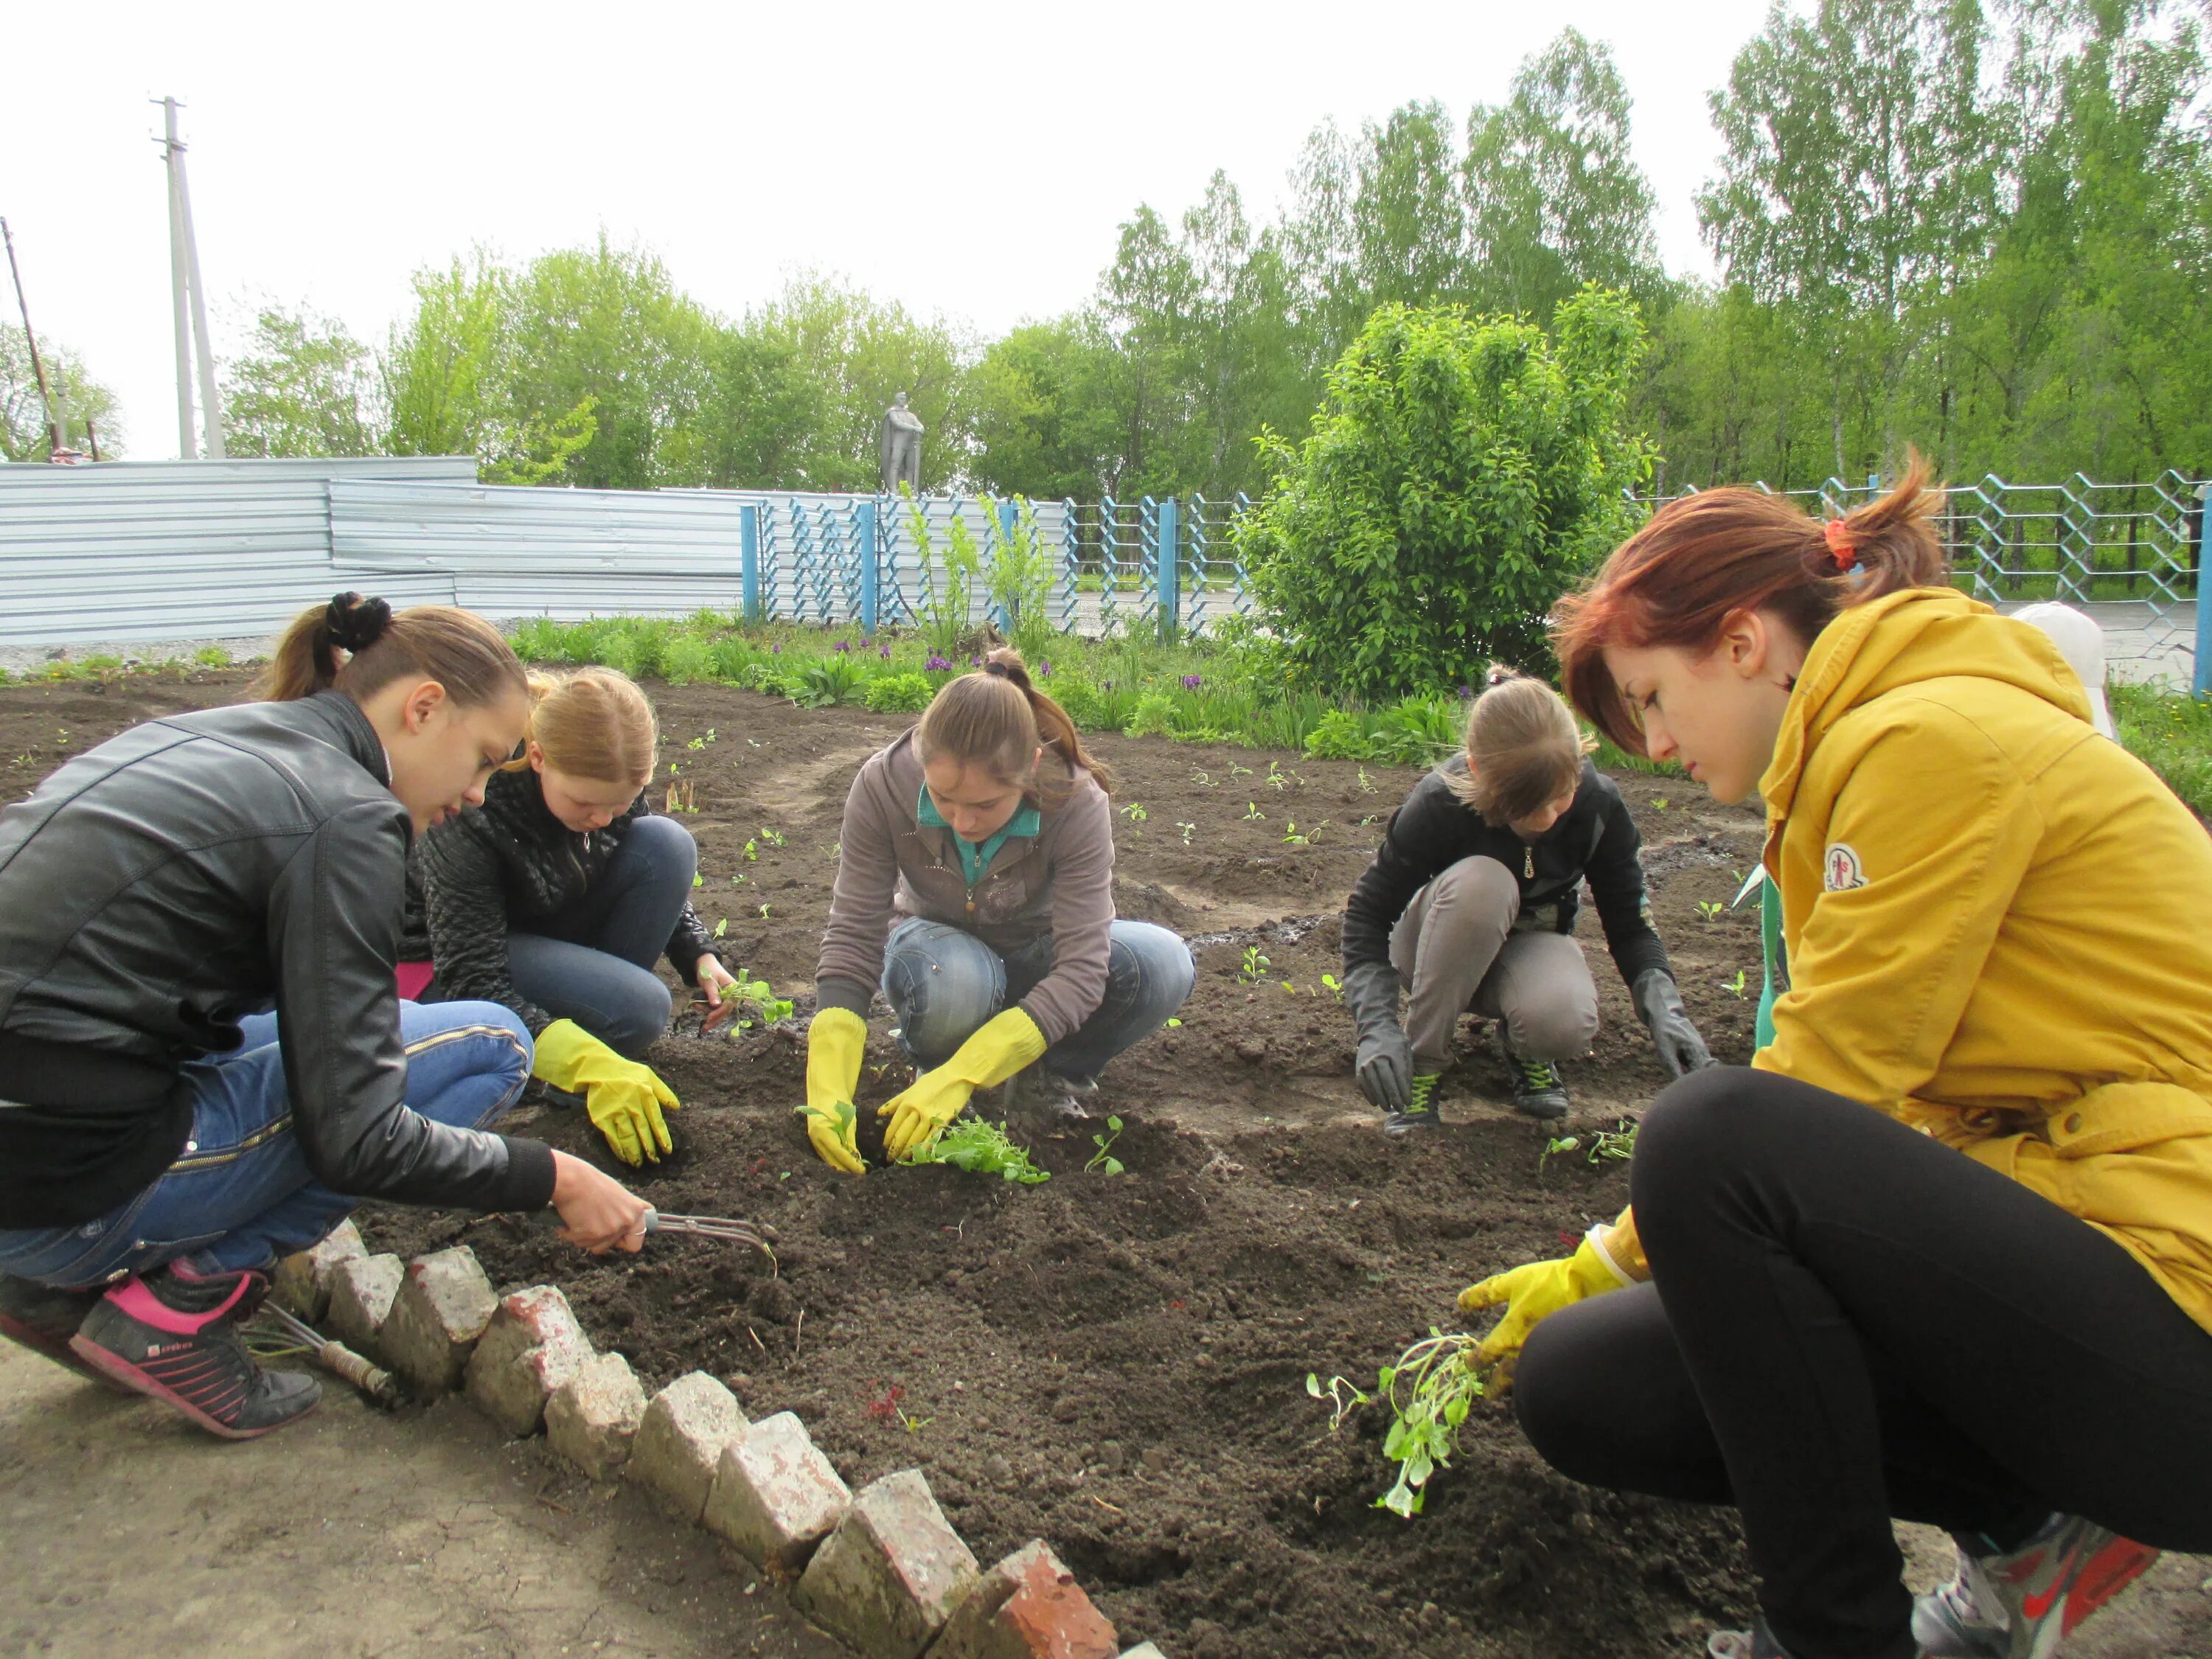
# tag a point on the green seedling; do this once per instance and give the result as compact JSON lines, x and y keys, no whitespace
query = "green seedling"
{"x":773,"y":837}
{"x":1296,"y":837}
{"x":722,"y":928}
{"x":1200,"y":776}
{"x":1659,"y":803}
{"x":1289,"y":987}
{"x":698,"y":880}
{"x":1709,"y":909}
{"x":1186,"y":829}
{"x":1103,"y":1162}
{"x":760,"y":996}
{"x":1135,"y":812}
{"x":1557,"y":1146}
{"x":980,"y":1148}
{"x":1333,"y":985}
{"x":1252,"y":812}
{"x":763,"y":910}
{"x":1173,"y":1023}
{"x":1735,"y":986}
{"x":1236,"y":771}
{"x":1254,"y":964}
{"x":752,"y":851}
{"x":1614,"y":1145}
{"x":1366,"y":783}
{"x":1343,"y":1398}
{"x":1430,"y":1392}
{"x":1275,"y":778}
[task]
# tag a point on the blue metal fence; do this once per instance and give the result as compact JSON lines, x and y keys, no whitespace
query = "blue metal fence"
{"x":2131,"y":553}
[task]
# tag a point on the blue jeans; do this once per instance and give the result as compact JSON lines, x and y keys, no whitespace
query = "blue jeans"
{"x":241,"y":1194}
{"x":594,"y":964}
{"x":943,"y":983}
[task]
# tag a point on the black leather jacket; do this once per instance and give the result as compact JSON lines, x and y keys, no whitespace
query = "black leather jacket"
{"x":159,"y":887}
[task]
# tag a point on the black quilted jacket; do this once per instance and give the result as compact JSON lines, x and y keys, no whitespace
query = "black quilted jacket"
{"x":500,"y":868}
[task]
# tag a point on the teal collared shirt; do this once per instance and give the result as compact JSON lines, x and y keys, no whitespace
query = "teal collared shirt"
{"x":975,"y":859}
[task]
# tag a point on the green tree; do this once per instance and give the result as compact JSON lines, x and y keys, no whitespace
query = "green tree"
{"x":1042,"y":429}
{"x":303,"y":386}
{"x":1463,"y":472}
{"x":605,"y":329}
{"x":1554,"y":197}
{"x":23,"y":426}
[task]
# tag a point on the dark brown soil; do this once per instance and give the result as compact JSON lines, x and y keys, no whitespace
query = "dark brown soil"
{"x":1117,"y":1365}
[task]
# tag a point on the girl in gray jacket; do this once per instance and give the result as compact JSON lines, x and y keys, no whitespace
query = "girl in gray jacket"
{"x":976,"y":887}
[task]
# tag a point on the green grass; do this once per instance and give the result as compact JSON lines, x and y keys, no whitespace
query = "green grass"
{"x":2172,"y":734}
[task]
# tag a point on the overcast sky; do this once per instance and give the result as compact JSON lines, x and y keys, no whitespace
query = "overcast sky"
{"x":337,"y":147}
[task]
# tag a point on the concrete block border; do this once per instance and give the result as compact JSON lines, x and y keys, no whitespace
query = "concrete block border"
{"x":882,"y":1570}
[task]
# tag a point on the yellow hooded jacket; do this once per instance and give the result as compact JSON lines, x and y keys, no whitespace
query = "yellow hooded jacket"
{"x":1999,"y":924}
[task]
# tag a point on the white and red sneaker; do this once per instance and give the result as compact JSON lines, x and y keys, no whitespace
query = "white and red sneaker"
{"x":2022,"y":1603}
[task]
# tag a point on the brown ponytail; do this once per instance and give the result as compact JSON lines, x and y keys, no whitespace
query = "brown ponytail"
{"x":1709,"y":558}
{"x":997,"y":718}
{"x":458,"y":648}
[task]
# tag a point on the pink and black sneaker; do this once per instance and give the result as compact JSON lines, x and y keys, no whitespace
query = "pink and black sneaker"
{"x":44,"y":1319}
{"x":174,"y":1335}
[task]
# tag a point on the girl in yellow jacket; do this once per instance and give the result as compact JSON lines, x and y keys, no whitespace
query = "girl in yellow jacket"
{"x":1943,"y":1251}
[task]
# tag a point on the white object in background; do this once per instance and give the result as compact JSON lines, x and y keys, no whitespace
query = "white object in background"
{"x":2081,"y":642}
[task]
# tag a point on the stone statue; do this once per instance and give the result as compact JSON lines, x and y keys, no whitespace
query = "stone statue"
{"x":899,"y":451}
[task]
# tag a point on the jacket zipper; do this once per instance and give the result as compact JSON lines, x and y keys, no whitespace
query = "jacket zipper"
{"x":1529,"y":869}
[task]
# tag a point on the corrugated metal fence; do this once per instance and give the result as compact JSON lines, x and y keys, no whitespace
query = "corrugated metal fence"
{"x":179,"y":550}
{"x":164,"y":550}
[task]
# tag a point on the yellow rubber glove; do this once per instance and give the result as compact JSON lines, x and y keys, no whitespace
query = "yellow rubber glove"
{"x":835,"y":1043}
{"x":1535,"y":1292}
{"x":1004,"y":1044}
{"x":622,"y":1099}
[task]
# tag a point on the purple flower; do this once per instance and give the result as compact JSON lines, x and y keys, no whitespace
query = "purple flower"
{"x":883,"y":650}
{"x":938,"y":664}
{"x":974,"y":662}
{"x":1467,"y":693}
{"x":1109,"y":685}
{"x":1190,"y":682}
{"x":1044,"y":669}
{"x":775,"y":650}
{"x":842,"y":645}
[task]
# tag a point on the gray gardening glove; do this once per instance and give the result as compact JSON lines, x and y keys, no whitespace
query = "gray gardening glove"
{"x":1659,"y":1006}
{"x":1384,"y":1065}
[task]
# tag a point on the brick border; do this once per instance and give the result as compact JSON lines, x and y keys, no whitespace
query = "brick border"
{"x":882,"y":1570}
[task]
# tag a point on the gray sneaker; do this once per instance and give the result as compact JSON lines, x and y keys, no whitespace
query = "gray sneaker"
{"x":1045,"y":1097}
{"x":2023,"y":1604}
{"x":1757,"y":1643}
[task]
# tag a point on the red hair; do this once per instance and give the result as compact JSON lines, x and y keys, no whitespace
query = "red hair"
{"x":1707,"y":559}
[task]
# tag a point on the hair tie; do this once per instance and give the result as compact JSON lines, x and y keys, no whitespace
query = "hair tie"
{"x":355,"y":624}
{"x":997,"y":670}
{"x":1841,"y":548}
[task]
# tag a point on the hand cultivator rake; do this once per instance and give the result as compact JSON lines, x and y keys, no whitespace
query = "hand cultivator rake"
{"x":278,"y":1334}
{"x":713,"y":1226}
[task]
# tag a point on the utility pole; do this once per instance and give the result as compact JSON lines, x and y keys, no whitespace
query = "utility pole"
{"x":188,"y":298}
{"x":54,"y":434}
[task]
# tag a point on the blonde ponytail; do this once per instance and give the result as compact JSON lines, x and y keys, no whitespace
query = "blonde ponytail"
{"x":593,"y":723}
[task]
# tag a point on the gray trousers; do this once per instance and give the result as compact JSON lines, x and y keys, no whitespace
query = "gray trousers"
{"x":1455,"y":950}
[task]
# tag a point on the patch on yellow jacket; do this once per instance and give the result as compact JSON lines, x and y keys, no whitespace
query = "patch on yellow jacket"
{"x":1841,"y":867}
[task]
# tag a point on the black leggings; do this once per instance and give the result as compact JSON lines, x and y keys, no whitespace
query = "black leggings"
{"x":1850,"y":1322}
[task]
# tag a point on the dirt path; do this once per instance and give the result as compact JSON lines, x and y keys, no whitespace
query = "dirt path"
{"x":354,"y":1533}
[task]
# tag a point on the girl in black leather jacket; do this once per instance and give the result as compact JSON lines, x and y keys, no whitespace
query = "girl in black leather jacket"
{"x":164,"y":1136}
